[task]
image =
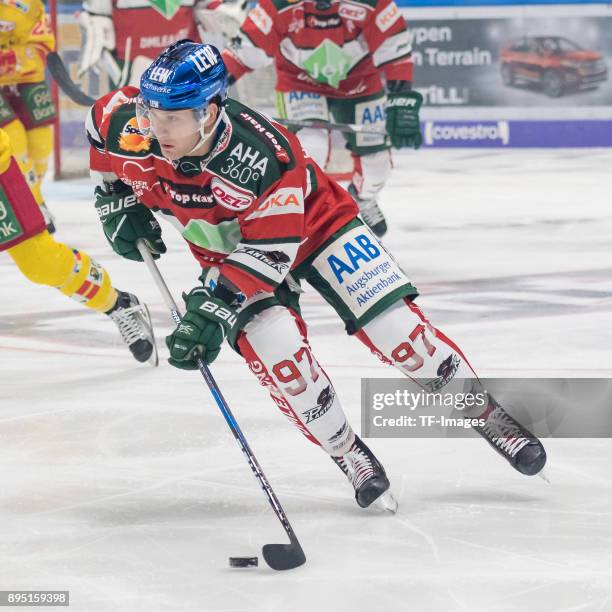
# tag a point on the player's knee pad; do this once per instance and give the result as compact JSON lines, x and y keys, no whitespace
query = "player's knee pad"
{"x":19,"y":142}
{"x":40,"y":146}
{"x":44,"y":261}
{"x":403,"y":337}
{"x":275,"y":346}
{"x":316,"y":143}
{"x":371,"y":173}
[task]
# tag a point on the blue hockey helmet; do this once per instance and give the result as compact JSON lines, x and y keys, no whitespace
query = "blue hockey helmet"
{"x":187,"y":75}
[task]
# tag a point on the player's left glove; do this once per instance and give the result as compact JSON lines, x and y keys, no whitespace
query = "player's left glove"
{"x":202,"y":330}
{"x":125,"y":221}
{"x":403,"y":106}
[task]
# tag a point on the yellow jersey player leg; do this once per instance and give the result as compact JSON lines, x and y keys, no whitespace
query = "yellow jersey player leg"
{"x":26,"y":108}
{"x":45,"y":261}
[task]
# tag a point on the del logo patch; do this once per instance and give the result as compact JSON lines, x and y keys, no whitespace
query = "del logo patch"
{"x":229,"y":196}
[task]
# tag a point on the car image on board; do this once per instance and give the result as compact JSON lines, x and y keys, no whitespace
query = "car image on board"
{"x":552,"y":63}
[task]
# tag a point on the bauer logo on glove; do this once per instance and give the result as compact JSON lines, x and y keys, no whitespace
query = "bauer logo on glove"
{"x":225,"y":314}
{"x":125,"y":221}
{"x":202,"y":330}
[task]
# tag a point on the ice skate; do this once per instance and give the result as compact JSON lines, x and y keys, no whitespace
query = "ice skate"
{"x":523,"y":451}
{"x":367,"y":476}
{"x":134,"y":323}
{"x":370,"y":212}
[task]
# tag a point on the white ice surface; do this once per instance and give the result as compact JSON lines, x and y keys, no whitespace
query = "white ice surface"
{"x":122,"y":484}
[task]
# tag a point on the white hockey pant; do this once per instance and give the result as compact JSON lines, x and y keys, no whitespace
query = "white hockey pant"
{"x":275,"y":345}
{"x":371,"y":173}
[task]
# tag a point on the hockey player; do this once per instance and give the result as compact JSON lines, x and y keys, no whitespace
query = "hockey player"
{"x":43,"y":260}
{"x":346,"y":60}
{"x":26,"y":109}
{"x":260,"y":216}
{"x":133,"y":32}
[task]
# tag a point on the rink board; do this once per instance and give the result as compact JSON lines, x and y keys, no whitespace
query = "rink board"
{"x":457,"y":53}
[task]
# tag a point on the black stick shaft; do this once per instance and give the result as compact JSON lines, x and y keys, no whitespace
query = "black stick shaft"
{"x":62,"y":77}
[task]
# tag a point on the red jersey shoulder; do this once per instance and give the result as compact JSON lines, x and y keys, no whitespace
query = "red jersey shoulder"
{"x":105,"y":107}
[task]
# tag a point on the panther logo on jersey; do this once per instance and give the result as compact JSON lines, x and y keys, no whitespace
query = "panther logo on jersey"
{"x":324,"y":403}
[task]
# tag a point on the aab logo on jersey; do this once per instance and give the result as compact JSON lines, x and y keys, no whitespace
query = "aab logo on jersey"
{"x":132,"y":140}
{"x":359,"y":249}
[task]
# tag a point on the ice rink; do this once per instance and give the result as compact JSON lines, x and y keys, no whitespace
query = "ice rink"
{"x":122,"y":484}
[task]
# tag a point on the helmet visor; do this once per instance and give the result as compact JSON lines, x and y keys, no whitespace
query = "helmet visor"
{"x":163,"y":124}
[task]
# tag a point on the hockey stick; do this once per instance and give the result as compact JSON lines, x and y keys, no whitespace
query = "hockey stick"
{"x":60,"y":74}
{"x":62,"y":77}
{"x":110,"y":66}
{"x":277,"y":556}
{"x":350,"y":128}
{"x":125,"y":71}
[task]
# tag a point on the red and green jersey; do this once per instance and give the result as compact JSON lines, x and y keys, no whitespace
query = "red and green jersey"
{"x":337,"y":51}
{"x":256,"y":205}
{"x":146,"y":27}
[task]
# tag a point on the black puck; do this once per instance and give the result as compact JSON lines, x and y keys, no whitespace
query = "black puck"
{"x":243,"y":561}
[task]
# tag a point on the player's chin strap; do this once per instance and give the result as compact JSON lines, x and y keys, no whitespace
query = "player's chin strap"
{"x":204,"y":136}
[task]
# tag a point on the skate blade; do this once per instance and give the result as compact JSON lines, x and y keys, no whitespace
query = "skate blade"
{"x":153,"y":360}
{"x":387,"y":502}
{"x":543,"y":476}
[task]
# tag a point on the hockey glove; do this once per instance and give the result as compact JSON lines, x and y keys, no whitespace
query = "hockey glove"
{"x":403,"y":107}
{"x":202,"y":330}
{"x":125,"y":220}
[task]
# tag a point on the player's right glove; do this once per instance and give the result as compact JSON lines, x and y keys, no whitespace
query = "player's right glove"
{"x":125,"y":220}
{"x":403,"y":106}
{"x":204,"y":326}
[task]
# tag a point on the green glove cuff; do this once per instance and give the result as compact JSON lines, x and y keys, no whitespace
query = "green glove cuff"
{"x":403,"y":118}
{"x":125,"y":220}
